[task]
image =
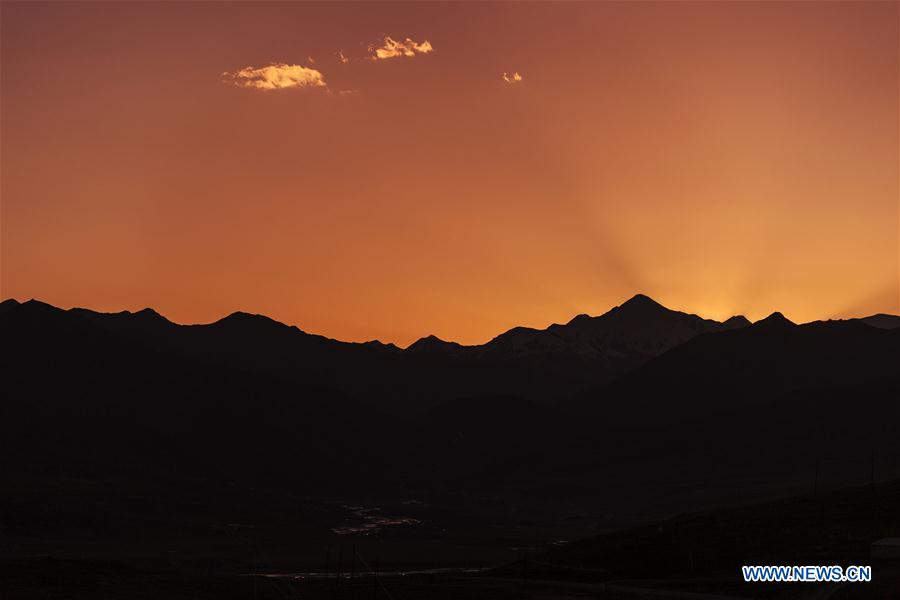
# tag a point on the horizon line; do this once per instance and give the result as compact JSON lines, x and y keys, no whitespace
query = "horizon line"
{"x":638,"y":296}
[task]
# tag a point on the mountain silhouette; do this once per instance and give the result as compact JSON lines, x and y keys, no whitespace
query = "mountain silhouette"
{"x":773,"y":356}
{"x":640,"y":327}
{"x":635,"y":414}
{"x":545,"y":365}
{"x":435,"y":345}
{"x":882,"y":320}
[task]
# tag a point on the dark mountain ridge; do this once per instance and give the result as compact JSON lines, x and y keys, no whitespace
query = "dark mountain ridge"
{"x":737,"y":369}
{"x":882,"y":320}
{"x":545,"y":365}
{"x":665,"y":412}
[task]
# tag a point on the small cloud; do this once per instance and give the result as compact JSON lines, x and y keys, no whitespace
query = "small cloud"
{"x":347,"y":92}
{"x":310,"y":60}
{"x":511,"y":77}
{"x":277,"y":76}
{"x":391,"y":48}
{"x":344,"y":60}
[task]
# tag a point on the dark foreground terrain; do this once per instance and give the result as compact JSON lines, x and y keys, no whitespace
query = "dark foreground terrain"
{"x":696,"y":555}
{"x":147,"y":456}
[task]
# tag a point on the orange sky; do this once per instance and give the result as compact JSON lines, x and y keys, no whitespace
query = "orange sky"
{"x":723,"y":158}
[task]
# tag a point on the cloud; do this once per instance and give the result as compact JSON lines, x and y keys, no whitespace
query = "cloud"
{"x":391,"y":48}
{"x":277,"y":76}
{"x":344,"y":60}
{"x":511,"y":77}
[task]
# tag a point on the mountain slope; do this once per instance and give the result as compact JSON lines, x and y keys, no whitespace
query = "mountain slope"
{"x":639,"y":328}
{"x":731,"y":370}
{"x":542,"y":365}
{"x":832,"y":528}
{"x":882,"y":321}
{"x":133,"y":402}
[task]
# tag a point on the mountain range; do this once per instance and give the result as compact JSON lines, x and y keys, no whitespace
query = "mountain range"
{"x":545,"y":365}
{"x":602,"y":422}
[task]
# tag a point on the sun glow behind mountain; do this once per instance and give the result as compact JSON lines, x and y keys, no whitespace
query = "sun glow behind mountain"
{"x":649,"y":147}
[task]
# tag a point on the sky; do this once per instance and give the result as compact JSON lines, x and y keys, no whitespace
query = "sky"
{"x":393,"y":170}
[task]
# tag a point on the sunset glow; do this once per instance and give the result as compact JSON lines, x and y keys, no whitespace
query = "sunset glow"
{"x":724,"y":158}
